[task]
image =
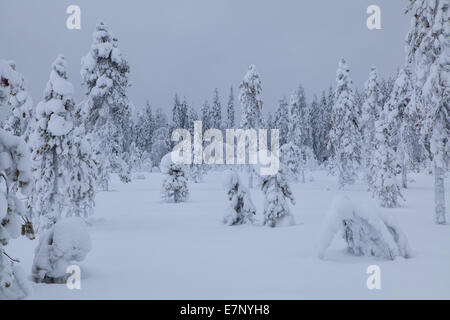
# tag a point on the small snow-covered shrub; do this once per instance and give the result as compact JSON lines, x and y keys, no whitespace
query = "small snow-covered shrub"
{"x":67,"y":241}
{"x":367,"y":231}
{"x":241,"y":209}
{"x":277,"y":191}
{"x":175,"y":185}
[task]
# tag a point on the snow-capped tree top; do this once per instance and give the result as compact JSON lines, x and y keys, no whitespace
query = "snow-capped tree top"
{"x":9,"y":79}
{"x":343,"y":80}
{"x":104,"y":51}
{"x":250,"y":99}
{"x":59,"y":87}
{"x":58,"y":101}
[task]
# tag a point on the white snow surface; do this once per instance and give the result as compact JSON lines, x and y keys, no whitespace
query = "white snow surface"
{"x":144,"y":248}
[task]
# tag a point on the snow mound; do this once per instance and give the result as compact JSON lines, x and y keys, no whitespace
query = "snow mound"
{"x":67,"y":241}
{"x":367,"y":231}
{"x":165,"y":163}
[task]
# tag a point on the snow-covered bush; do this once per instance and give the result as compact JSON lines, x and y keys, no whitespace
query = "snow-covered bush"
{"x":241,"y":208}
{"x":66,"y":242}
{"x":366,"y":230}
{"x":276,"y":208}
{"x":15,"y":175}
{"x":175,"y":185}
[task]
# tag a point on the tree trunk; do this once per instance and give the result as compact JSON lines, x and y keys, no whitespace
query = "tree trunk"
{"x":404,"y":172}
{"x":439,"y":194}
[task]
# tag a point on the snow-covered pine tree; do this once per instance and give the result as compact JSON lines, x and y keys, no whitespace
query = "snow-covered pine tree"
{"x":230,"y":110}
{"x":250,"y":100}
{"x":385,"y":166}
{"x":277,"y":191}
{"x":241,"y":209}
{"x":175,"y":186}
{"x":299,"y":119}
{"x":216,"y":111}
{"x":15,"y":175}
{"x":281,"y":120}
{"x":428,"y":46}
{"x":51,"y":144}
{"x":21,"y":104}
{"x":369,"y":114}
{"x":106,"y":111}
{"x":344,"y":138}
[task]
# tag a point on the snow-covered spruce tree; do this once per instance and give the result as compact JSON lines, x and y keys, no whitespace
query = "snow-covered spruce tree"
{"x":21,"y":104}
{"x":230,"y":110}
{"x":277,"y":191}
{"x":107,"y":109}
{"x":216,"y":111}
{"x":160,"y":144}
{"x":241,"y":209}
{"x":192,"y":117}
{"x":144,"y":129}
{"x":281,"y":120}
{"x":306,"y":161}
{"x":369,"y":114}
{"x":344,"y":137}
{"x":51,"y":144}
{"x":385,"y":166}
{"x":290,"y":155}
{"x":66,"y":242}
{"x":175,"y":186}
{"x":81,"y":175}
{"x":251,"y":106}
{"x":250,"y":100}
{"x":299,"y":119}
{"x":179,"y":113}
{"x":428,"y":46}
{"x":407,"y":140}
{"x":206,"y":116}
{"x":15,"y":175}
{"x":366,"y":231}
{"x":320,"y":120}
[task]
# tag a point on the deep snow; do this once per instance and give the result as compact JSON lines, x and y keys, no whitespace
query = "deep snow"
{"x":144,"y":248}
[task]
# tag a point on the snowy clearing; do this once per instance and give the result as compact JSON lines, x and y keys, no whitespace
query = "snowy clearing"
{"x":144,"y":248}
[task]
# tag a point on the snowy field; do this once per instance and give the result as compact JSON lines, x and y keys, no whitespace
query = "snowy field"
{"x":144,"y":248}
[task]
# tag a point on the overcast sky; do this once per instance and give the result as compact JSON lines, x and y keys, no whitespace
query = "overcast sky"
{"x":193,"y":46}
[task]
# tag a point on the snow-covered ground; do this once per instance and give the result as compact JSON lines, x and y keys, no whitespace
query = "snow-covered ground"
{"x":143,"y":248}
